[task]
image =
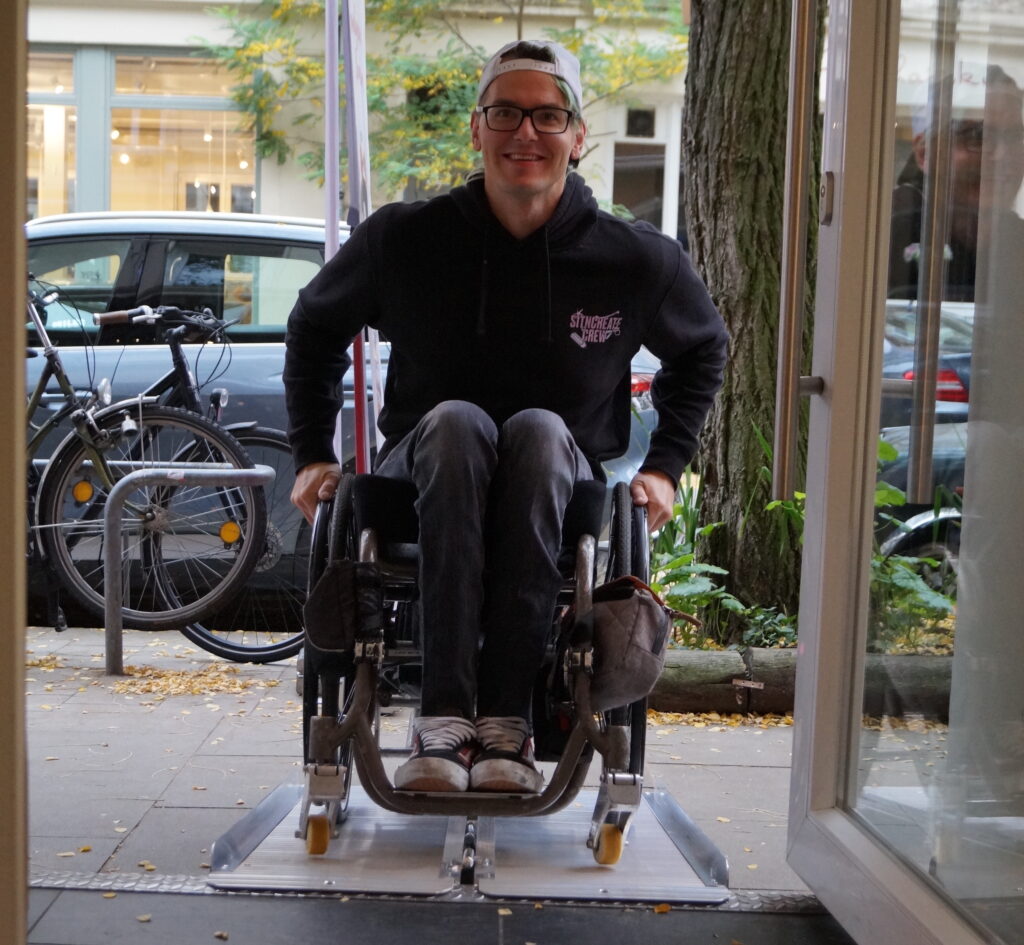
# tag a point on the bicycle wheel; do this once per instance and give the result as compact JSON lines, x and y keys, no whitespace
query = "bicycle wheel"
{"x":263,"y":621}
{"x":184,"y":548}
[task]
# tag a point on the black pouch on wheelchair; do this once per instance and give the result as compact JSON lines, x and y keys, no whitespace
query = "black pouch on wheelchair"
{"x":346,"y":604}
{"x":629,"y":628}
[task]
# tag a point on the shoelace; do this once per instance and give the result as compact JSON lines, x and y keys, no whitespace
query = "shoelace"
{"x":444,"y":733}
{"x":502,"y":734}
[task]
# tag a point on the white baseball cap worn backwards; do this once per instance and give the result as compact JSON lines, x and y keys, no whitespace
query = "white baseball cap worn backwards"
{"x":565,"y":67}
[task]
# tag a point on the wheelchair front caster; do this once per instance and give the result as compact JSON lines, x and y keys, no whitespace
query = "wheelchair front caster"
{"x":318,"y":834}
{"x":608,"y":845}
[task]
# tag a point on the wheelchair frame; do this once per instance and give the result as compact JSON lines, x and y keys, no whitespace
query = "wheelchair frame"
{"x":370,"y":569}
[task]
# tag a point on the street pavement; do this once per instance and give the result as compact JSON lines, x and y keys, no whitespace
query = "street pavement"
{"x":140,"y":773}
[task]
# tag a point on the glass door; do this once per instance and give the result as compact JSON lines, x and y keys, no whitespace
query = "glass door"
{"x":907,"y":817}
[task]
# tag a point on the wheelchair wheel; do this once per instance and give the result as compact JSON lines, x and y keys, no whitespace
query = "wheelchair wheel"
{"x":327,"y":677}
{"x":629,"y":554}
{"x":341,"y":539}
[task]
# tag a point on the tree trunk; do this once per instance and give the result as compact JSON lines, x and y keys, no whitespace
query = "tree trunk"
{"x":734,"y":149}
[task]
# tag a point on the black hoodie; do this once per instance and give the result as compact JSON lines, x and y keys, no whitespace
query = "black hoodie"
{"x":474,"y":314}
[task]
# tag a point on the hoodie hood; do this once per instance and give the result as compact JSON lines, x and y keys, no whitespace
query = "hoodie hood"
{"x":574,"y":217}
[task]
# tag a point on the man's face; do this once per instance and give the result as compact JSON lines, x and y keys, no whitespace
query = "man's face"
{"x":989,"y":149}
{"x":524,"y":163}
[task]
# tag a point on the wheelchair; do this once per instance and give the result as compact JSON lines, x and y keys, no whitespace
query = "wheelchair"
{"x":361,"y":652}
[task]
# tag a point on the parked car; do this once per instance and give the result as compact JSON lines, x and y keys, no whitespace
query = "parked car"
{"x":929,"y":531}
{"x":953,"y":381}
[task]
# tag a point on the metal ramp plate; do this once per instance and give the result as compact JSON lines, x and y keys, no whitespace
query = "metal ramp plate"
{"x":666,"y":859}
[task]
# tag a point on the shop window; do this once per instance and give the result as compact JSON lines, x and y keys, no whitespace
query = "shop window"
{"x":51,"y":73}
{"x":179,"y":159}
{"x":170,"y":75}
{"x":91,"y":146}
{"x":50,"y":130}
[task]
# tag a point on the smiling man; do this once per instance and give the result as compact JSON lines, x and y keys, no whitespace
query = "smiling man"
{"x":513,"y":307}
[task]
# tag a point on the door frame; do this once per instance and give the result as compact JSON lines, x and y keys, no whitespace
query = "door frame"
{"x":873,"y":895}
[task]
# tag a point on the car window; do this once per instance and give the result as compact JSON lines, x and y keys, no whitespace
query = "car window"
{"x":252,"y":283}
{"x":86,"y":272}
{"x":956,"y":325}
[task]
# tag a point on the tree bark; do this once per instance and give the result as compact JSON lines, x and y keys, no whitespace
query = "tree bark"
{"x":734,"y":149}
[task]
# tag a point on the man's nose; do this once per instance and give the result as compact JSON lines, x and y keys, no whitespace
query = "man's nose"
{"x":526,"y":131}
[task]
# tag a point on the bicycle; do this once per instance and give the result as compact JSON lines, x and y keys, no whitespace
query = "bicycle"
{"x":186,"y":548}
{"x":262,"y":620}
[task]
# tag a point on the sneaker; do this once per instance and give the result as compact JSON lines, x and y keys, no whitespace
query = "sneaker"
{"x":505,"y":761}
{"x":443,"y":748}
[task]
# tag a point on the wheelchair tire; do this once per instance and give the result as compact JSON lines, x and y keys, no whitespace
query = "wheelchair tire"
{"x":341,"y":539}
{"x":628,"y":554}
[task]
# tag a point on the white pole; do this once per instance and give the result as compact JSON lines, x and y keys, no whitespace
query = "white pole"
{"x":332,"y":141}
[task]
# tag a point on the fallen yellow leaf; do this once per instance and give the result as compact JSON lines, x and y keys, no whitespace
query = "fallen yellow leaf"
{"x":662,"y":907}
{"x":504,"y":912}
{"x":723,"y":820}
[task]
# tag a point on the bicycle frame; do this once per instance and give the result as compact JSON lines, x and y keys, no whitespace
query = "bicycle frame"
{"x":75,"y":407}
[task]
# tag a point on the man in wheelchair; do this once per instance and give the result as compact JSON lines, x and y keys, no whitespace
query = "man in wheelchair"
{"x":513,"y":307}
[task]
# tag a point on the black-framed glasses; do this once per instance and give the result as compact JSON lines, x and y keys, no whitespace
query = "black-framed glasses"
{"x":973,"y":136}
{"x":547,"y":119}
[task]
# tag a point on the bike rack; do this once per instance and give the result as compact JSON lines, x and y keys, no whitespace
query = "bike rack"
{"x":215,"y":474}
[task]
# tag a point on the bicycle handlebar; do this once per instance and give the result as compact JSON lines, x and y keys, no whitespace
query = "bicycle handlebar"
{"x":205,"y":322}
{"x":141,"y":313}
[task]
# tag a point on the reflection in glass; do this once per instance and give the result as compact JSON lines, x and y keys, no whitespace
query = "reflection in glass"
{"x":938,"y":772}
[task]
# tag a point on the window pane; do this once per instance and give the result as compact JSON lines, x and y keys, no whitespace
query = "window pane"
{"x":639,"y":176}
{"x":50,"y":73}
{"x":274,"y":282}
{"x":170,"y":75}
{"x":255,"y":284}
{"x":84,"y":270}
{"x":51,"y":159}
{"x":937,"y":766}
{"x":172,"y":159}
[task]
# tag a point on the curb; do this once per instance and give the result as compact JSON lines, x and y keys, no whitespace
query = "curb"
{"x":762,"y":681}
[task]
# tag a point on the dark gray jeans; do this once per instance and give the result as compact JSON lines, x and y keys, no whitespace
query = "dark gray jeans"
{"x":490,"y":508}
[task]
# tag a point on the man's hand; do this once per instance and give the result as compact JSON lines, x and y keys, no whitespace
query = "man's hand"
{"x":313,"y":484}
{"x":656,"y":491}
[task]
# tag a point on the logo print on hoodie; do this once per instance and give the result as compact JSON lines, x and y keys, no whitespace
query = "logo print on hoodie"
{"x":593,"y":329}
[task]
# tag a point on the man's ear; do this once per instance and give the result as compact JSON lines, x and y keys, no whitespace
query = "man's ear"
{"x":578,"y":141}
{"x":474,"y":130}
